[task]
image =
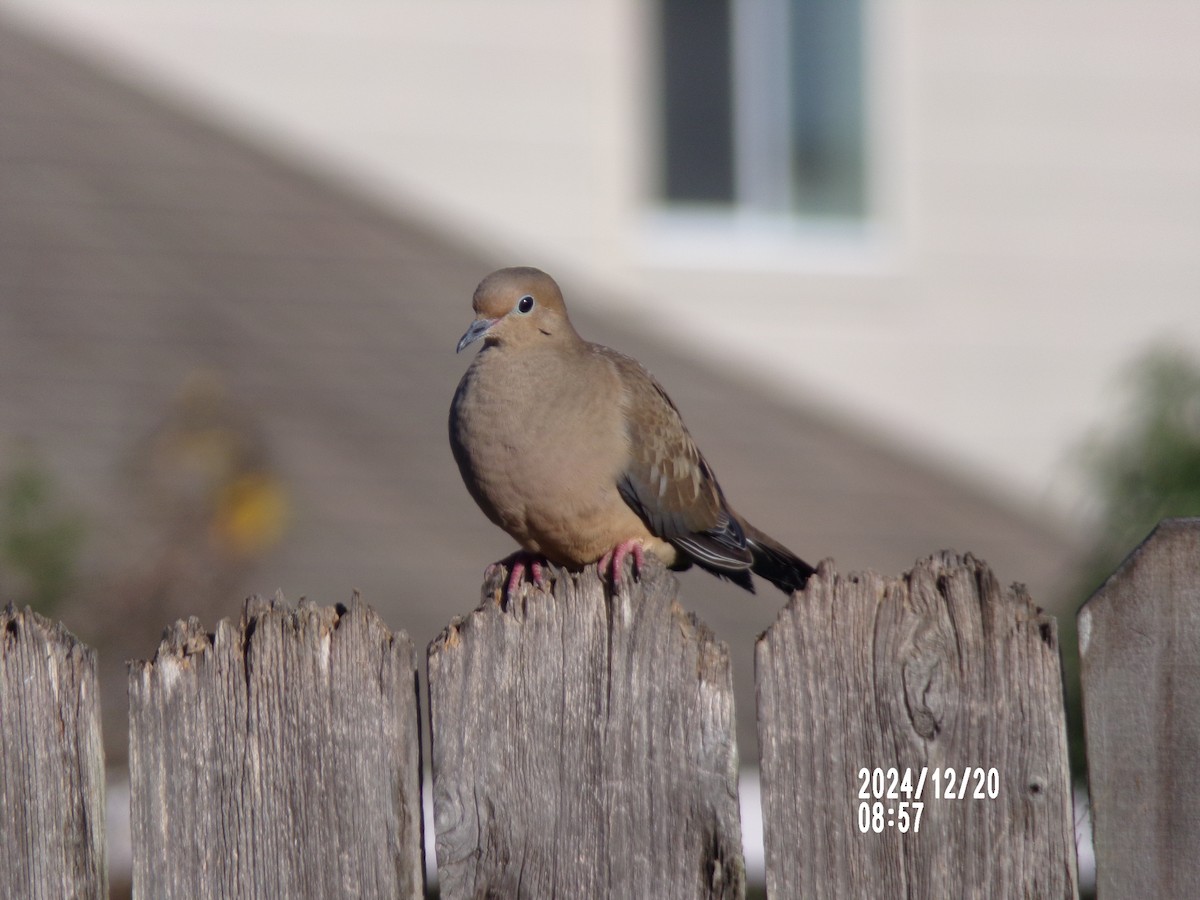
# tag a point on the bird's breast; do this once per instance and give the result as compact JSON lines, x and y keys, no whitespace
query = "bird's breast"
{"x":541,"y":448}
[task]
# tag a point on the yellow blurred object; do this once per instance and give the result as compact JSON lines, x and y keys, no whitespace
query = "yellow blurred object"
{"x":206,"y":463}
{"x":250,"y":514}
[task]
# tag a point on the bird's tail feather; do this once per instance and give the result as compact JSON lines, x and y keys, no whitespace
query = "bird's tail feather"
{"x":767,"y":558}
{"x":775,"y":562}
{"x":740,"y":577}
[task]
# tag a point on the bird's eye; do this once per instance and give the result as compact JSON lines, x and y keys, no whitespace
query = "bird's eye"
{"x":525,"y":304}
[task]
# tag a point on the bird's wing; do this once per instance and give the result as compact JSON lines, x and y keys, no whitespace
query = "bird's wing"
{"x":667,"y":480}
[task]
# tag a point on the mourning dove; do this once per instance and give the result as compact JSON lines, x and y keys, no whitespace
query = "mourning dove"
{"x":577,"y":452}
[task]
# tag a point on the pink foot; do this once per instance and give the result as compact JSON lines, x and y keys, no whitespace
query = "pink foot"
{"x":616,"y":559}
{"x":517,"y":564}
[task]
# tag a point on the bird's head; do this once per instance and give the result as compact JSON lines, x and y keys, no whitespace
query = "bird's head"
{"x":520,"y":306}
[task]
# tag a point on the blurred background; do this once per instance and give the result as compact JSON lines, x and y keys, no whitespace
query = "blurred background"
{"x":918,"y":274}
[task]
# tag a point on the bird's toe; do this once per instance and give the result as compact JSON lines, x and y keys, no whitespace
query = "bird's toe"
{"x":614,"y":560}
{"x":516,"y":567}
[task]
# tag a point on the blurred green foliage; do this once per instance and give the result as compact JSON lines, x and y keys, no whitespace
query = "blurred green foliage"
{"x":1147,"y":466}
{"x":1143,"y":467}
{"x":39,"y":541}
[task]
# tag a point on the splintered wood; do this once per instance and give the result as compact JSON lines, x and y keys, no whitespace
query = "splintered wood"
{"x":583,"y":746}
{"x":277,"y":757}
{"x":51,"y":763}
{"x":912,"y":739}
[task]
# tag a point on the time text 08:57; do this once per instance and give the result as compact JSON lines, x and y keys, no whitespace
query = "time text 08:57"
{"x":894,"y":798}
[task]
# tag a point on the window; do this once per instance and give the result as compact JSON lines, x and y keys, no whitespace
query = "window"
{"x":763,"y":107}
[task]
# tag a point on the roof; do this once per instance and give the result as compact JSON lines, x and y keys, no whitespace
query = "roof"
{"x":144,"y":252}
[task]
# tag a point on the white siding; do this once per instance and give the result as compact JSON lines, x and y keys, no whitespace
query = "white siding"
{"x":1038,"y":186}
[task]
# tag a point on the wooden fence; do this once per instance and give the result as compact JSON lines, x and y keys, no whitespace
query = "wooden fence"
{"x":912,"y":734}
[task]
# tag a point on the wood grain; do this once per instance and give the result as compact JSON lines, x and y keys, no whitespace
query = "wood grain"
{"x":1139,"y":642}
{"x":583,"y":746}
{"x":937,"y":669}
{"x":277,"y":757}
{"x":51,"y":763}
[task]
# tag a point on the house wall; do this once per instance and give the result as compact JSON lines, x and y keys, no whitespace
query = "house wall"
{"x":1037,"y":188}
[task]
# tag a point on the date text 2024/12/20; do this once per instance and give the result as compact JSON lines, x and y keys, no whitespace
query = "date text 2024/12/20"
{"x":890,"y":798}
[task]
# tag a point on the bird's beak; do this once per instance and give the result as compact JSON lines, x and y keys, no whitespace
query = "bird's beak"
{"x":477,"y":330}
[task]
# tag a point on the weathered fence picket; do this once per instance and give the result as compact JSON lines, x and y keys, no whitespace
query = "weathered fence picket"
{"x":583,"y":746}
{"x":51,"y":763}
{"x":277,"y":757}
{"x":933,"y":675}
{"x":1139,"y":642}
